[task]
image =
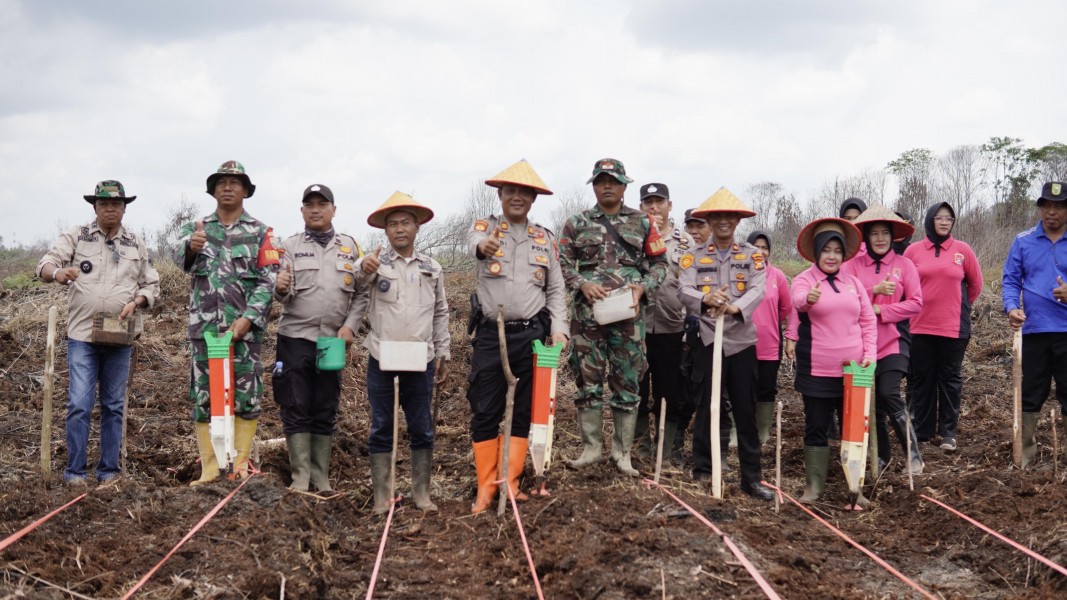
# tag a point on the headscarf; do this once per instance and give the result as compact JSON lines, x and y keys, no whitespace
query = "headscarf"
{"x":928,"y":224}
{"x":755,"y":235}
{"x":851,"y":203}
{"x":821,"y":239}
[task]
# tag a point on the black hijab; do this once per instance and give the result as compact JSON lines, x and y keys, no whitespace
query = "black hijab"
{"x":757,"y":234}
{"x":851,"y":203}
{"x":928,"y":224}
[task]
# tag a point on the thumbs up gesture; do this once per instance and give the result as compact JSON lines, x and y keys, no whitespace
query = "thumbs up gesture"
{"x":199,"y":239}
{"x":489,"y":246}
{"x":285,"y":279}
{"x":814,"y":294}
{"x":1060,"y":293}
{"x":885,"y":287}
{"x":372,"y":261}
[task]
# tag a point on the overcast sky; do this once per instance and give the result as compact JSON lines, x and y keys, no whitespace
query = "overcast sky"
{"x":429,"y":98}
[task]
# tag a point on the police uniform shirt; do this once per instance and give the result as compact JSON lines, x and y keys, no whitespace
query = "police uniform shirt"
{"x":524,"y":276}
{"x":109,"y":276}
{"x":407,"y":303}
{"x":665,"y":312}
{"x":744,"y":271}
{"x":324,"y":295}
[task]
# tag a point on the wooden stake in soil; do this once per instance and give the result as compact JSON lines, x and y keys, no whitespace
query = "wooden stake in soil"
{"x":49,"y":376}
{"x":396,"y":435}
{"x":778,"y":457}
{"x":126,"y":407}
{"x":659,"y":435}
{"x":1017,"y":399}
{"x":907,"y":444}
{"x":509,"y":410}
{"x":436,"y":394}
{"x":872,"y":443}
{"x":1055,"y":446}
{"x":716,"y":403}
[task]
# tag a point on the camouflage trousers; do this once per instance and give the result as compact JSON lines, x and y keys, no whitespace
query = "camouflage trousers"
{"x":613,"y":353}
{"x":248,"y":380}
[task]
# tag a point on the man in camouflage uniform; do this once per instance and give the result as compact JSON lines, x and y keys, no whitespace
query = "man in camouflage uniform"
{"x":663,"y":339}
{"x":608,"y":247}
{"x":321,"y":299}
{"x":107,"y":270}
{"x":230,"y":258}
{"x":726,"y":278}
{"x":518,"y":268}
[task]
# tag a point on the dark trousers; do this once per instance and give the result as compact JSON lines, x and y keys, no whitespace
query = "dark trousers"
{"x":665,"y":378}
{"x":818,"y":417}
{"x":739,"y":374}
{"x":415,"y":392}
{"x":935,"y":384}
{"x":1044,"y":359}
{"x":887,"y":403}
{"x":306,"y":396}
{"x":767,"y":384}
{"x":487,"y":389}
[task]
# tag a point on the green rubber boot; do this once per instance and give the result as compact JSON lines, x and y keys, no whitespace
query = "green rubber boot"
{"x":622,"y":440}
{"x":592,"y":424}
{"x":642,"y":438}
{"x":320,"y":462}
{"x":299,"y":445}
{"x":764,"y":420}
{"x":816,"y":462}
{"x":1030,"y":420}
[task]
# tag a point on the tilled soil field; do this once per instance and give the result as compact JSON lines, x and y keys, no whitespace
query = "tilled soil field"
{"x":599,"y":535}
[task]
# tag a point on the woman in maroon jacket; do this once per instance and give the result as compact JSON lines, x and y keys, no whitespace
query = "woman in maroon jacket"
{"x":951,"y":280}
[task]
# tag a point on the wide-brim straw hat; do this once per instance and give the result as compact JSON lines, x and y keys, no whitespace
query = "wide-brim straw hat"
{"x":520,"y":173}
{"x":880,"y":214}
{"x":722,"y":201}
{"x":806,"y":239}
{"x":399,"y":201}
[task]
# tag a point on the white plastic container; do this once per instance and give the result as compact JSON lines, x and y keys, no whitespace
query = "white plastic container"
{"x":402,"y":356}
{"x":616,"y":307}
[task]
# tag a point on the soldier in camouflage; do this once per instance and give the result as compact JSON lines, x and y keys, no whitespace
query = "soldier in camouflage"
{"x":608,"y":247}
{"x":232,"y":263}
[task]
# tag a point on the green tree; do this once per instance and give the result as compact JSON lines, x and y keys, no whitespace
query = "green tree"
{"x":912,"y":169}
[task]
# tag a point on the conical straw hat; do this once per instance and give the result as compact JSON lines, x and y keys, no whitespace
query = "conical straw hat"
{"x":806,"y":239}
{"x":722,"y":201}
{"x":880,"y":214}
{"x":399,"y":200}
{"x":520,"y":173}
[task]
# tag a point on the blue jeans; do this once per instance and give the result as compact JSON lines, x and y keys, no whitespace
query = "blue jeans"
{"x":415,"y":393}
{"x":89,"y":364}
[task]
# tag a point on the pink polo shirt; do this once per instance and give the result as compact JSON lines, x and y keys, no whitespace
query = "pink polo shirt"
{"x":897,"y":309}
{"x":838,"y":328}
{"x":775,"y":307}
{"x":951,"y":280}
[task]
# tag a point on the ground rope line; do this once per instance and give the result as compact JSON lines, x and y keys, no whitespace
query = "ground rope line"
{"x":189,"y":535}
{"x":751,"y":568}
{"x":856,"y":544}
{"x":381,"y":548}
{"x":1010,"y":542}
{"x":525,"y":545}
{"x":11,"y":539}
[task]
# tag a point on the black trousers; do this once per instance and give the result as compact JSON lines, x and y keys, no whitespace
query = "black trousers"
{"x":767,"y":384}
{"x":665,"y":376}
{"x":887,"y":403}
{"x":487,"y":389}
{"x":1044,"y":359}
{"x":739,"y":375}
{"x":307,"y":397}
{"x":818,"y":417}
{"x":935,"y":384}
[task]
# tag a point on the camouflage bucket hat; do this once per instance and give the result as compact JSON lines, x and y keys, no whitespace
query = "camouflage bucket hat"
{"x":231,"y":168}
{"x":109,"y":188}
{"x":613,"y":167}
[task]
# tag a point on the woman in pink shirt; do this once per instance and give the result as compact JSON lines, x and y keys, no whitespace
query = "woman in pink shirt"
{"x":951,"y":280}
{"x":837,"y":325}
{"x":775,"y":307}
{"x":892,"y":284}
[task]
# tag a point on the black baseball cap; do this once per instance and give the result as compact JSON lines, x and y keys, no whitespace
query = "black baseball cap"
{"x":317,"y":189}
{"x":689,"y":216}
{"x":650,"y":190}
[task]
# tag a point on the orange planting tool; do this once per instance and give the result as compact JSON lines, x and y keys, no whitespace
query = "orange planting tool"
{"x":855,"y":420}
{"x":221,"y":380}
{"x":543,"y":409}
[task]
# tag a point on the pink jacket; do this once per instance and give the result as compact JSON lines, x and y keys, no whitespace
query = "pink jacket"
{"x":776,"y":305}
{"x":905,"y":303}
{"x":838,"y":328}
{"x":944,"y":275}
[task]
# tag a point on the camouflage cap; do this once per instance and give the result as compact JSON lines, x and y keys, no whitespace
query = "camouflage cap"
{"x":612,"y":167}
{"x":232,"y":168}
{"x":1053,"y":191}
{"x":109,"y":188}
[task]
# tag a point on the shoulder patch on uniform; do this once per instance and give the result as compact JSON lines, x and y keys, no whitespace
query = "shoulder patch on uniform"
{"x":686,"y":261}
{"x":757,"y":261}
{"x":481,"y":225}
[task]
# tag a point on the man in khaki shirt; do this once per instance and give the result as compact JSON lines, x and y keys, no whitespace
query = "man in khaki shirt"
{"x":320,"y":299}
{"x":518,"y":268}
{"x":407,"y":304}
{"x":108,"y":272}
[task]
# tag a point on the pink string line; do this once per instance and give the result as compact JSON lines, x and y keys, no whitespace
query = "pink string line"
{"x":1011,"y":543}
{"x":857,"y":545}
{"x":189,"y":535}
{"x":11,"y":539}
{"x":751,"y":568}
{"x":381,"y":548}
{"x":525,"y":545}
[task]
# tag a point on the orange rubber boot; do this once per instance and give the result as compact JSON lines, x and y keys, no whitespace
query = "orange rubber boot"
{"x":486,"y":455}
{"x":516,"y":461}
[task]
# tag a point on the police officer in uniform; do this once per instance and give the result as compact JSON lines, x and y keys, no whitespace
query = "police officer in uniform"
{"x":518,"y":268}
{"x":726,"y":277}
{"x":320,"y":298}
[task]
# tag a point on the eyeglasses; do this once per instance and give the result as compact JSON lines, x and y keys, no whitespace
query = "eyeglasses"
{"x":114,"y":252}
{"x":945,"y":219}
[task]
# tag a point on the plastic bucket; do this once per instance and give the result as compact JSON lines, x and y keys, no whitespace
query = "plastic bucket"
{"x":330,"y":354}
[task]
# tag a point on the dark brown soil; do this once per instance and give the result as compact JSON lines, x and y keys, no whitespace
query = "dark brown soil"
{"x":600,"y":535}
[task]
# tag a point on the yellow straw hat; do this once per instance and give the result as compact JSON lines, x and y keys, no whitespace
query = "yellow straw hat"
{"x":520,"y":173}
{"x":722,"y":201}
{"x":399,"y":201}
{"x":880,"y":214}
{"x":806,"y":240}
